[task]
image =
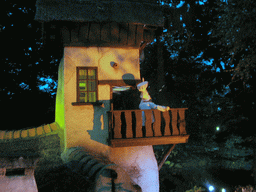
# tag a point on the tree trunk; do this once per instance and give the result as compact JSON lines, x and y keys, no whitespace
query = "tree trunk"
{"x":254,"y":162}
{"x":161,"y":99}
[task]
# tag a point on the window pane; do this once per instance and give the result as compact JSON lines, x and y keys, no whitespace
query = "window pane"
{"x":87,"y":84}
{"x":92,"y":85}
{"x":91,"y":74}
{"x":82,"y":74}
{"x":92,"y":96}
{"x":82,"y":85}
{"x":83,"y":97}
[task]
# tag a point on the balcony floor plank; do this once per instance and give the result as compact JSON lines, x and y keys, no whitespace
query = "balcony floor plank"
{"x":149,"y":141}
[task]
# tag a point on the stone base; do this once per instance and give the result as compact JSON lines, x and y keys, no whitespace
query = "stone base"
{"x":17,"y":173}
{"x":141,"y":165}
{"x":18,"y":184}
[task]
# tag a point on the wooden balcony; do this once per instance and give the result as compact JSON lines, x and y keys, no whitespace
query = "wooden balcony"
{"x":125,"y":127}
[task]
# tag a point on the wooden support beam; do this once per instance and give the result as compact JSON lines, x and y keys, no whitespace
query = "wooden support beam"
{"x":75,"y":33}
{"x":123,"y":33}
{"x":114,"y":28}
{"x":84,"y":32}
{"x":139,"y":35}
{"x":166,"y":155}
{"x":65,"y":33}
{"x":105,"y":32}
{"x":131,"y":34}
{"x":94,"y":33}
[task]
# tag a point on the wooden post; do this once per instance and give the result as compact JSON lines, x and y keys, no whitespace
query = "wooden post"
{"x":75,"y":33}
{"x":128,"y":119}
{"x":110,"y":125}
{"x":105,"y":32}
{"x":157,"y":123}
{"x":131,"y":34}
{"x":148,"y":123}
{"x":166,"y":116}
{"x":117,"y":125}
{"x":182,"y":122}
{"x":138,"y":115}
{"x":114,"y":32}
{"x":65,"y":33}
{"x":175,"y":130}
{"x":84,"y":32}
{"x":123,"y":33}
{"x":139,"y":34}
{"x":94,"y":33}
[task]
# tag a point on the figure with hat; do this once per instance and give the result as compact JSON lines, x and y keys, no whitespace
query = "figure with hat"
{"x":146,"y":103}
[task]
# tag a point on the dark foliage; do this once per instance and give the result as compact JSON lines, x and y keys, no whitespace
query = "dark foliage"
{"x":23,"y":62}
{"x":62,"y":179}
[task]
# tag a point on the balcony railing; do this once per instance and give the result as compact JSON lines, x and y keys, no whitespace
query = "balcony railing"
{"x":126,"y":127}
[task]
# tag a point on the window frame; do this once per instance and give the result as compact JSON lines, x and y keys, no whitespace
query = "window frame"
{"x":77,"y":85}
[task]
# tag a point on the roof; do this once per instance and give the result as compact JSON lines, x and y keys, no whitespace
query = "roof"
{"x":145,"y":12}
{"x":28,"y":142}
{"x":84,"y":163}
{"x":6,"y":136}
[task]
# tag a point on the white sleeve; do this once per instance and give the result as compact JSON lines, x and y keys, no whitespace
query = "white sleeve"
{"x":159,"y":107}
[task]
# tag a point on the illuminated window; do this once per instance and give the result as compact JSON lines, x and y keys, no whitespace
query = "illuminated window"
{"x":87,"y":84}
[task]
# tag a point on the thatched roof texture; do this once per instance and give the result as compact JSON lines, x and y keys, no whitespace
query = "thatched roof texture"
{"x":145,"y":12}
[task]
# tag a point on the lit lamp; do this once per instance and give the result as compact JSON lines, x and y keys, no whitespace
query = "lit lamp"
{"x":114,"y":65}
{"x":211,"y":188}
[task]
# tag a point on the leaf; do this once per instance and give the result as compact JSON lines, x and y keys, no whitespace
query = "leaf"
{"x":178,"y":166}
{"x":167,"y":163}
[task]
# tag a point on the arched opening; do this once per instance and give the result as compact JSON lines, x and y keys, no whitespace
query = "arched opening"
{"x":125,"y":98}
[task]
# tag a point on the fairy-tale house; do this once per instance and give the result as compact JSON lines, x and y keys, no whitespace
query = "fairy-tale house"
{"x":101,"y":43}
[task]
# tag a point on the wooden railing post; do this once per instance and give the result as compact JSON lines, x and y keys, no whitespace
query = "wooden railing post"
{"x":117,"y":125}
{"x":128,"y":119}
{"x":174,"y":123}
{"x":130,"y":123}
{"x":182,"y":122}
{"x":138,"y":115}
{"x":157,"y":124}
{"x":175,"y":130}
{"x":148,"y":123}
{"x":167,"y":131}
{"x":110,"y":126}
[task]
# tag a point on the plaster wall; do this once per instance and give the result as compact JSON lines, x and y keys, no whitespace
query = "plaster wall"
{"x":102,"y":57}
{"x":140,"y":163}
{"x":123,"y":181}
{"x":60,"y":106}
{"x":87,"y":125}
